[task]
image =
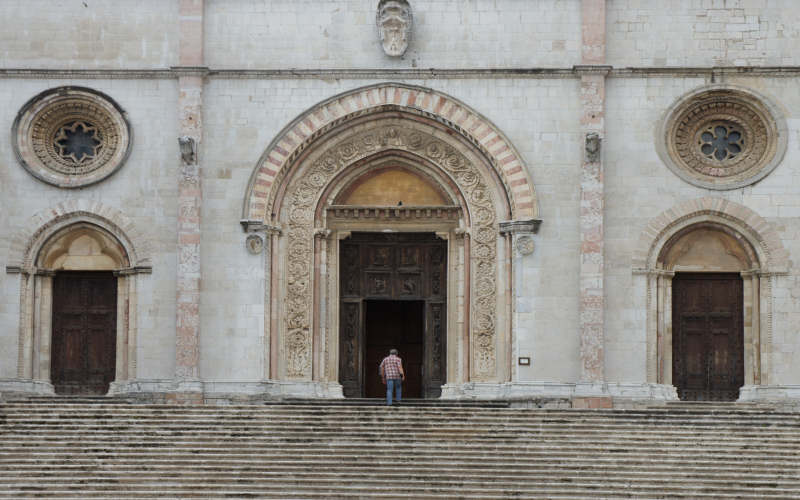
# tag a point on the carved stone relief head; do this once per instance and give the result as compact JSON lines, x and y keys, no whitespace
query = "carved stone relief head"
{"x":394,"y":25}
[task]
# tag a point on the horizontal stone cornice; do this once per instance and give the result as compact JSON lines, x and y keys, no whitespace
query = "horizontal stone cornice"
{"x":405,"y":73}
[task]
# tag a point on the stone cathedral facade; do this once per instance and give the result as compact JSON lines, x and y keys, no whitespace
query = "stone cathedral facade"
{"x":584,"y":201}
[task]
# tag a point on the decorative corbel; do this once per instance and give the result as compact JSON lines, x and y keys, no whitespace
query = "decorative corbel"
{"x":255,"y":226}
{"x":188,"y":148}
{"x":593,"y":145}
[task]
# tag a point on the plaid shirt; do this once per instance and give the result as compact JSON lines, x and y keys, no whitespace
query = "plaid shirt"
{"x":390,"y":367}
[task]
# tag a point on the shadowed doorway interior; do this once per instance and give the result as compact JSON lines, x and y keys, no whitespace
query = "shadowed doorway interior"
{"x":394,"y":324}
{"x":392,"y":295}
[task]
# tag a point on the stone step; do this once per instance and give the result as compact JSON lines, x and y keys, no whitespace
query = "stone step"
{"x":186,"y":437}
{"x":337,"y":419}
{"x":361,"y":456}
{"x":67,"y":402}
{"x":251,"y":472}
{"x":663,"y":485}
{"x":367,"y":487}
{"x":397,"y":413}
{"x":223,"y":439}
{"x":530,"y":417}
{"x":90,"y":448}
{"x":404,"y":428}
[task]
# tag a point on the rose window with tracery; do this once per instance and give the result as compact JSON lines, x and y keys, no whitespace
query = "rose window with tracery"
{"x":78,"y":141}
{"x":722,"y":138}
{"x":721,"y":141}
{"x":72,"y":136}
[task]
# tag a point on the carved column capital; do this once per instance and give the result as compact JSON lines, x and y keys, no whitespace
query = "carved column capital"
{"x":524,"y":226}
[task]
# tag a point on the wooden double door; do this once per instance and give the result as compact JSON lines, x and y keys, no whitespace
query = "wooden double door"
{"x":393,"y":293}
{"x":83,"y":352}
{"x":707,"y":337}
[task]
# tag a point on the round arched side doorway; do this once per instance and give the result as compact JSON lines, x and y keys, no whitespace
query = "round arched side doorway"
{"x":78,"y":266}
{"x":709,"y":266}
{"x":78,"y":280}
{"x":706,"y":327}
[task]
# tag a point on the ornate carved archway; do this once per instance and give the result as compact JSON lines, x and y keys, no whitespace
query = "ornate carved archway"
{"x":293,"y":192}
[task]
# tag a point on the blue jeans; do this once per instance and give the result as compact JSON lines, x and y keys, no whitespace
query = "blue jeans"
{"x":397,"y":385}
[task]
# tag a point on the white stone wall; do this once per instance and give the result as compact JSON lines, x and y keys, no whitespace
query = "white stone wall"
{"x":342,"y":34}
{"x":83,"y":34}
{"x":539,"y":116}
{"x":639,"y":187}
{"x":702,"y":32}
{"x":144,"y":189}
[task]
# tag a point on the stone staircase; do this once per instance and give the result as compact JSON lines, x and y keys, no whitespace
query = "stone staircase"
{"x":107,"y":448}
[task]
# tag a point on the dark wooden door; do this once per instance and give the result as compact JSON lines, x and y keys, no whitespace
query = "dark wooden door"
{"x":396,"y":267}
{"x":84,"y":332}
{"x":394,"y":324}
{"x":707,"y":337}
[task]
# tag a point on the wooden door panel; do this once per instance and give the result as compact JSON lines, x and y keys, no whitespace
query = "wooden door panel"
{"x":350,"y":364}
{"x":83,"y":357}
{"x":392,"y":267}
{"x":408,"y":285}
{"x":708,"y":338}
{"x":72,"y":346}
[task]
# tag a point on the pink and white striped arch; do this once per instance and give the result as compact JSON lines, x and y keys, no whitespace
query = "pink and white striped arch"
{"x":336,"y":111}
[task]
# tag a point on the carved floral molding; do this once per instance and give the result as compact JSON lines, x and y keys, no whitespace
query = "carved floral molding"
{"x":306,"y":189}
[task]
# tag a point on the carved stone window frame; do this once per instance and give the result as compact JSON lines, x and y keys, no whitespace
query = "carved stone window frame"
{"x":39,"y":120}
{"x":762,"y":122}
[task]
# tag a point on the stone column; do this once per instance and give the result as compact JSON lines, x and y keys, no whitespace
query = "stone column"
{"x":190,"y":102}
{"x":43,"y":325}
{"x":593,"y":74}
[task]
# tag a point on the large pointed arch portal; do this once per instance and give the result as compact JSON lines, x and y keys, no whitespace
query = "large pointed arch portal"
{"x":393,"y":159}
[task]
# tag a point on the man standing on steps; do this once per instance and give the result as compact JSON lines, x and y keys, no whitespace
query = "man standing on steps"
{"x":392,"y":375}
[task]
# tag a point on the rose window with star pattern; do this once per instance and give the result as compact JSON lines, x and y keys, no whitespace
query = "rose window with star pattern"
{"x":71,"y":136}
{"x":78,"y":141}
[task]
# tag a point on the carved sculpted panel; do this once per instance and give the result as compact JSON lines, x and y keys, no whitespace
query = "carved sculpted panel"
{"x":722,"y":138}
{"x":304,"y":192}
{"x":394,"y":26}
{"x":71,"y":136}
